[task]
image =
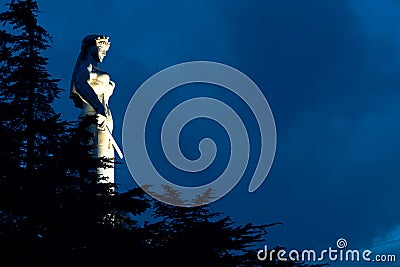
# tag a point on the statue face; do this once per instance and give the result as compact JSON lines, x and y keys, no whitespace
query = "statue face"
{"x":99,"y":52}
{"x":102,"y":52}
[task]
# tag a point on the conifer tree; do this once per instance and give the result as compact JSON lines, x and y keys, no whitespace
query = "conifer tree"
{"x":29,"y":123}
{"x":51,"y":201}
{"x":28,"y":87}
{"x":197,"y":236}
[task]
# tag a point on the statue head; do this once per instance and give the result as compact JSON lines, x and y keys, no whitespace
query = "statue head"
{"x":96,"y":45}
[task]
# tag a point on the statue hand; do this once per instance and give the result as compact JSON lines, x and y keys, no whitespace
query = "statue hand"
{"x":100,"y":109}
{"x":101,"y":122}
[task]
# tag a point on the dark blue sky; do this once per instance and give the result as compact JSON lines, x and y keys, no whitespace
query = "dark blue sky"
{"x":330,"y":71}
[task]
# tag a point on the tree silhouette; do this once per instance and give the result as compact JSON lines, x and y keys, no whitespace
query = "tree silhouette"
{"x":196,"y":236}
{"x":53,"y":207}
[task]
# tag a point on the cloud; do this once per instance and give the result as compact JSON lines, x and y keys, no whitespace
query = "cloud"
{"x":333,"y":88}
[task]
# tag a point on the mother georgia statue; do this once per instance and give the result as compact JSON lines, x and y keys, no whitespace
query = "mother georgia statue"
{"x":91,"y":89}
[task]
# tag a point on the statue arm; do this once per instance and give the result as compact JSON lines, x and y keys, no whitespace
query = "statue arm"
{"x":86,"y":92}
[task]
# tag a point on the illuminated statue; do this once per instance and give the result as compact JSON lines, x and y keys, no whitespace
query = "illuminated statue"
{"x":91,"y":89}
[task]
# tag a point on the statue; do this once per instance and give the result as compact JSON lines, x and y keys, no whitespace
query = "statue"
{"x":91,"y":89}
